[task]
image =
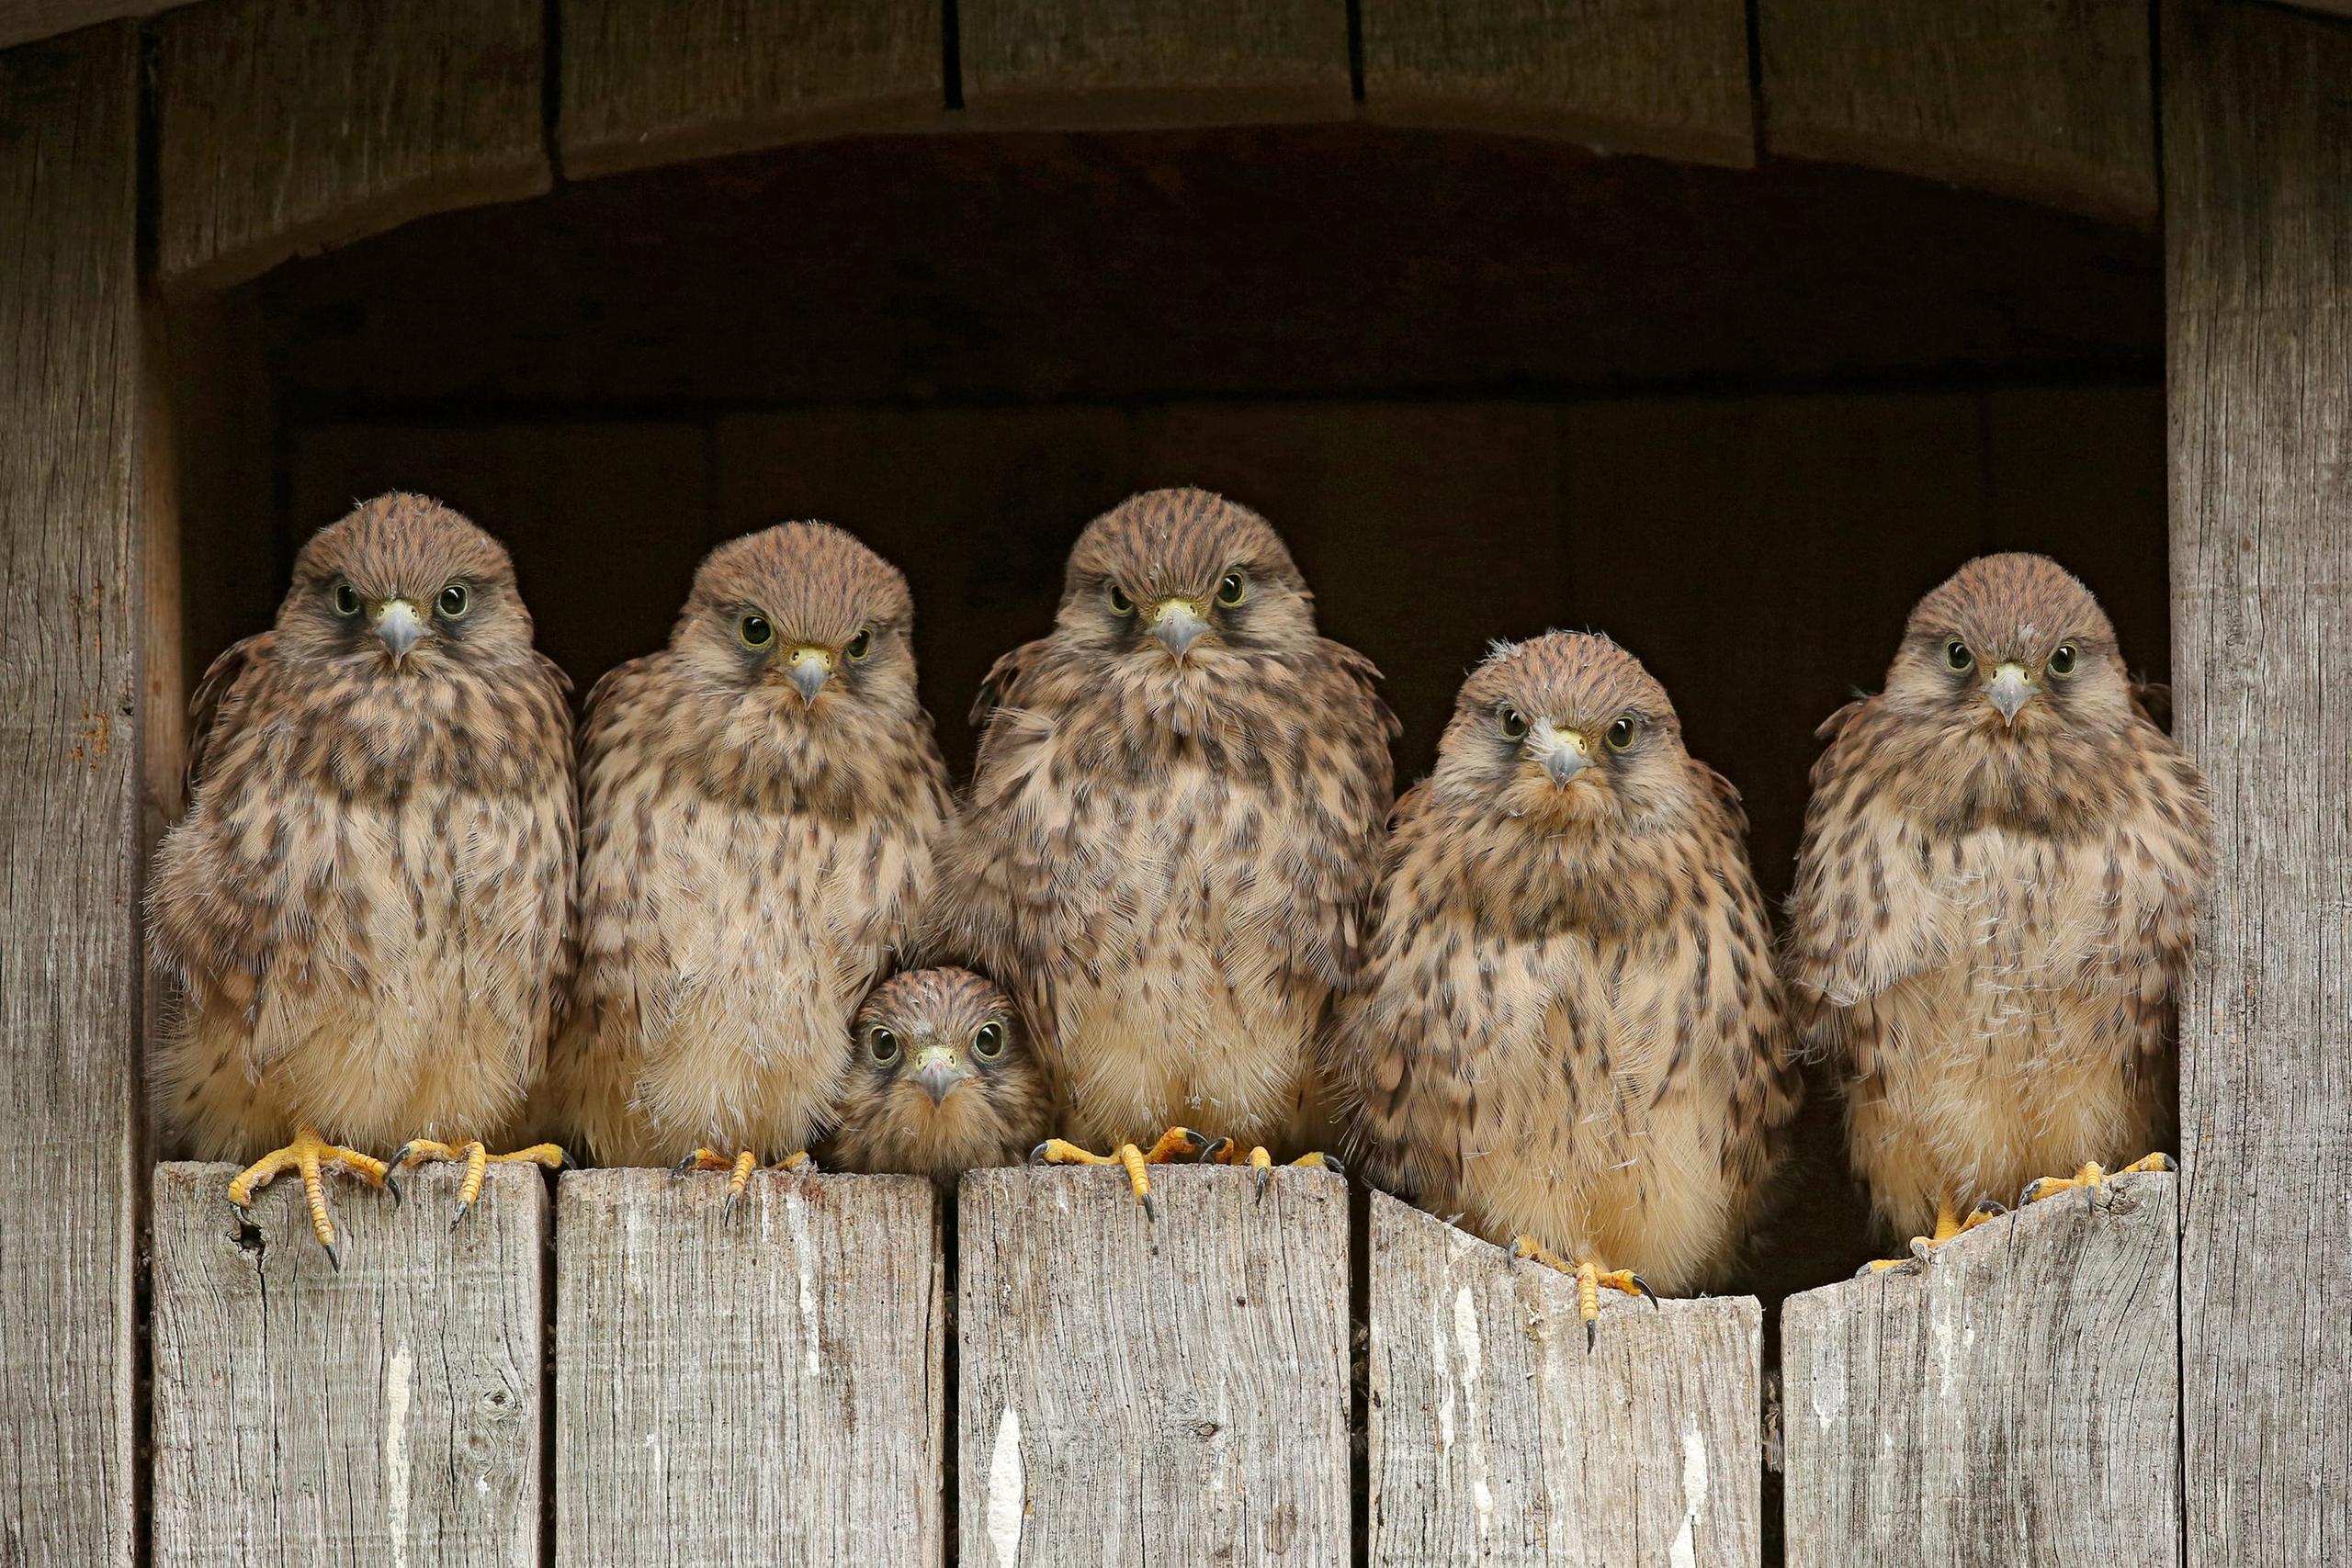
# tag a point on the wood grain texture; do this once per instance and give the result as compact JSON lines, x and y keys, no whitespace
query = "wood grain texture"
{"x":2015,"y":1404}
{"x":69,"y":791}
{"x":290,"y":125}
{"x":2046,"y":99}
{"x":764,"y":1388}
{"x":1497,"y":1438}
{"x":2258,"y":233}
{"x":23,"y":20}
{"x":389,"y":1412}
{"x":1140,"y":1391}
{"x":1628,"y":76}
{"x":1145,"y":62}
{"x":650,"y":82}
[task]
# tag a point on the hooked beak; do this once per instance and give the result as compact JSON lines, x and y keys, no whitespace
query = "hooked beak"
{"x":938,"y":1071}
{"x":400,"y":626}
{"x":2010,"y":691}
{"x":1176,"y":624}
{"x":1564,"y":753}
{"x":811,"y":668}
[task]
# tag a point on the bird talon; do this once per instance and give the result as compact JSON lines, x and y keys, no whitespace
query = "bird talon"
{"x":1643,"y":1286}
{"x":1213,"y":1152}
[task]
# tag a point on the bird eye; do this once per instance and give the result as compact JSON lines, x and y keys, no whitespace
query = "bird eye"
{"x":346,"y":599}
{"x":1514,"y":723}
{"x":2062,"y":659}
{"x":882,"y":1045}
{"x":1956,"y":654}
{"x":861,"y":645}
{"x":1621,"y":733}
{"x":755,"y":631}
{"x":1120,"y":604}
{"x":452,"y":602}
{"x":1231,"y":589}
{"x":989,"y":1043}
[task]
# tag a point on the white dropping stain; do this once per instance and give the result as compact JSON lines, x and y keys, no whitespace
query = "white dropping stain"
{"x":1940,"y":1326}
{"x":1465,"y":1345}
{"x":796,"y":1215}
{"x":1683,"y":1552}
{"x":1444,"y":1365}
{"x":1005,"y":1498}
{"x":396,"y":1396}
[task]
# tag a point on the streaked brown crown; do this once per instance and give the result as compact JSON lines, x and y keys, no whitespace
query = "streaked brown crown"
{"x":943,"y":1004}
{"x":1576,"y":679}
{"x":1167,"y":542}
{"x":401,"y":546}
{"x":818,"y":584}
{"x":2012,"y":606}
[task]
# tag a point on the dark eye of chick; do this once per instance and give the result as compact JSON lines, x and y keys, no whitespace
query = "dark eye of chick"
{"x":1513,"y":723}
{"x":1956,"y":654}
{"x":861,"y":645}
{"x":1231,"y":589}
{"x":346,"y":599}
{"x":2062,"y":660}
{"x":1621,"y":733}
{"x":1120,"y":604}
{"x":882,"y":1045}
{"x":453,"y":601}
{"x":988,"y":1044}
{"x":755,"y":631}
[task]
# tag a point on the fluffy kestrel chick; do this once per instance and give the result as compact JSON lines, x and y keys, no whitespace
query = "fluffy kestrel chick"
{"x":759,"y":804}
{"x":1173,"y":823}
{"x":943,"y":1079}
{"x":1998,"y":890}
{"x":366,"y":910}
{"x":1568,"y":1028}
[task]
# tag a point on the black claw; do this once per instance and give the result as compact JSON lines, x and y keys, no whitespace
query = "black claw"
{"x":334,"y":1254}
{"x":1992,"y":1206}
{"x":1591,"y":1334}
{"x":1211,"y":1150}
{"x":726,"y":1209}
{"x":2170,"y":1162}
{"x":1643,"y":1286}
{"x":1265,"y":1179}
{"x":563,"y":1161}
{"x":460,"y":1217}
{"x":392,"y":1185}
{"x":1150,"y":1213}
{"x":1335,"y":1167}
{"x":1037,"y":1154}
{"x":683,"y":1166}
{"x":1201,"y":1141}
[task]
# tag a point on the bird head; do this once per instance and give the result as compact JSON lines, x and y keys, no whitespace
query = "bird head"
{"x":2010,"y":650}
{"x":404,"y":588}
{"x":1565,"y":729}
{"x":1176,"y":587}
{"x":805,"y":619}
{"x":942,"y":1062}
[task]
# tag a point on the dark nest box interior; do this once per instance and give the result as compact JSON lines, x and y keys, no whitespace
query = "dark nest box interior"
{"x":1485,"y":383}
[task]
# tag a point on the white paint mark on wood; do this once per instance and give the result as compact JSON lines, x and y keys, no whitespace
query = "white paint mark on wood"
{"x":397,"y":1383}
{"x":1005,"y":1500}
{"x":796,"y":1215}
{"x":1466,"y":1343}
{"x":1681,"y":1552}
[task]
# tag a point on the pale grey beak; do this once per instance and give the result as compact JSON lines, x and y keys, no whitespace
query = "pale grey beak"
{"x":2009,"y":691}
{"x":811,"y":668}
{"x":1564,"y":753}
{"x":400,"y":626}
{"x":938,"y":1071}
{"x":1178,"y":624}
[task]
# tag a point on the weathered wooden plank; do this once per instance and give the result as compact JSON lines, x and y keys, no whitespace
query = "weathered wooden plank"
{"x":764,"y":1388}
{"x":606,"y":520}
{"x":387,"y":1412}
{"x":2014,"y":1405}
{"x":291,"y":124}
{"x":1629,"y":76}
{"x":1496,"y":1437}
{"x":649,"y":81}
{"x":2258,"y":236}
{"x":1141,"y":62}
{"x":1152,"y":1392}
{"x":2047,"y":99}
{"x":23,"y":20}
{"x":69,"y":820}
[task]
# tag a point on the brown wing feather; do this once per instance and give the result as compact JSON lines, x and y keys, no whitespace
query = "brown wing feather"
{"x":218,"y":708}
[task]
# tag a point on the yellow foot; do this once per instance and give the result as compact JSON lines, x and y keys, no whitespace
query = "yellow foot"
{"x":2091,"y":1178}
{"x":476,"y":1159}
{"x":309,"y":1153}
{"x":1174,"y":1142}
{"x":1590,"y":1279}
{"x":1947,"y":1226}
{"x":739,"y":1167}
{"x":1224,"y":1151}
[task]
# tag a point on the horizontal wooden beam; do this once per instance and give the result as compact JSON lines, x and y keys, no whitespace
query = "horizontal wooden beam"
{"x":389,"y":1412}
{"x":2014,"y":1400}
{"x":1145,"y":62}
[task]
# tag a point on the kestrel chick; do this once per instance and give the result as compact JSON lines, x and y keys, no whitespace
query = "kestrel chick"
{"x":1568,"y":1028}
{"x":367,"y":908}
{"x":759,"y":801}
{"x":2002,"y":864}
{"x":1173,"y":823}
{"x":943,"y":1079}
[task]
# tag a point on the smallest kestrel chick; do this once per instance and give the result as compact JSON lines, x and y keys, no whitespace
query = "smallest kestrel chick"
{"x":943,"y":1079}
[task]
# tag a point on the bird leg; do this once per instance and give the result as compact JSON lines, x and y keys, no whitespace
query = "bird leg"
{"x":739,"y":1167}
{"x":1174,"y":1142}
{"x":1947,"y":1226}
{"x":1590,"y":1278}
{"x":1226,"y":1151}
{"x":477,"y":1159}
{"x":309,"y":1155}
{"x":2091,"y":1178}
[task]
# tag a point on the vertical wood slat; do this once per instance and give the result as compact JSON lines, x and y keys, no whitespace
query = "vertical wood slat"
{"x":1144,"y":62}
{"x":766,"y":1387}
{"x":69,"y":819}
{"x":2045,"y":100}
{"x":2258,"y":243}
{"x":286,"y":125}
{"x":1496,"y":1437}
{"x":1631,"y":75}
{"x":2013,"y":1404}
{"x":1139,"y":1391}
{"x":387,"y":1412}
{"x":649,"y":81}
